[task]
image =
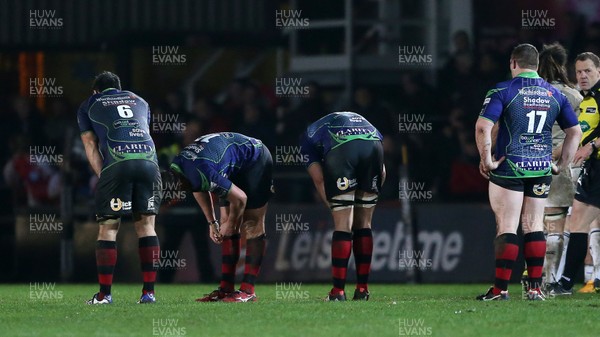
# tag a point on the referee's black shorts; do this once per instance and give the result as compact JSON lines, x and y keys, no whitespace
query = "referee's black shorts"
{"x":588,"y":184}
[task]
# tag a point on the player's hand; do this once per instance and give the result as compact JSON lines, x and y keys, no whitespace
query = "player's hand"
{"x":226,"y":229}
{"x":582,"y":154}
{"x":485,"y":168}
{"x":214,"y":233}
{"x":555,"y":169}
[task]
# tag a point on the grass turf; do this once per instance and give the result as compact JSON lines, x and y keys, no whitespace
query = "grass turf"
{"x":284,"y":310}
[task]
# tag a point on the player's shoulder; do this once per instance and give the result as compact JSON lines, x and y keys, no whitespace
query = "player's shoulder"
{"x":500,"y":87}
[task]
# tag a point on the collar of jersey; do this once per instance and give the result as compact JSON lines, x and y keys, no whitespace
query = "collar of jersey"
{"x":592,"y":91}
{"x":109,"y":89}
{"x":529,"y":74}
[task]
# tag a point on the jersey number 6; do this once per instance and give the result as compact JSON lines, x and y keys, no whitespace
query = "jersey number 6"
{"x":125,"y":111}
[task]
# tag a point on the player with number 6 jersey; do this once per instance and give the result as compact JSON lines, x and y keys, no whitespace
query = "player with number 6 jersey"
{"x":115,"y":131}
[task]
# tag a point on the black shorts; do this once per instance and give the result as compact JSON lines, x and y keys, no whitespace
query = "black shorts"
{"x":355,"y":165}
{"x":131,"y":186}
{"x":537,"y":187}
{"x":256,"y":181}
{"x":588,"y":184}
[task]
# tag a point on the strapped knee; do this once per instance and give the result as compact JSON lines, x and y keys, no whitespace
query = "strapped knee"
{"x":555,"y":216}
{"x":340,"y":202}
{"x":367,"y":201}
{"x":108,"y":219}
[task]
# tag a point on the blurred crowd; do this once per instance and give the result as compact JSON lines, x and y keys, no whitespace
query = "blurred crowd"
{"x":443,"y":156}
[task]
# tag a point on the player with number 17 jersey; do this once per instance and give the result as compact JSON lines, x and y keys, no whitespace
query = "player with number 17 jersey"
{"x":526,"y":143}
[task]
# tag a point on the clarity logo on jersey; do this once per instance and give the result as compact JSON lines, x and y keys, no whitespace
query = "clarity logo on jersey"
{"x":291,"y":87}
{"x":414,"y":123}
{"x":44,"y":19}
{"x":44,"y":155}
{"x":413,"y":327}
{"x":291,"y":19}
{"x":168,"y":123}
{"x":290,"y":155}
{"x":41,"y":223}
{"x":117,"y":205}
{"x":414,"y":191}
{"x":290,"y":223}
{"x":414,"y":56}
{"x":168,"y":56}
{"x":537,"y":19}
{"x":44,"y":87}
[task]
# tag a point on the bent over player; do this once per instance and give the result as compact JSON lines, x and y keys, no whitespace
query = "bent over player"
{"x":526,"y":107}
{"x":115,"y":130}
{"x":237,"y":169}
{"x":345,"y":162}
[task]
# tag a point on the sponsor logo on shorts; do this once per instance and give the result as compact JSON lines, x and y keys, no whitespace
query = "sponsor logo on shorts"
{"x":541,"y":189}
{"x":151,"y":203}
{"x":117,"y":205}
{"x":344,"y":183}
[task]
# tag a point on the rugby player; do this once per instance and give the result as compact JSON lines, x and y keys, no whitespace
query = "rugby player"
{"x":238,"y":170}
{"x":520,"y":170}
{"x":552,"y":68}
{"x":586,"y":207}
{"x":115,"y":130}
{"x":345,"y":162}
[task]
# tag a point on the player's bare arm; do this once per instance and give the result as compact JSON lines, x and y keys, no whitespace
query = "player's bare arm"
{"x":569,"y":147}
{"x":583,"y":153}
{"x":316,"y":174}
{"x":237,"y":203}
{"x":90,"y":142}
{"x":483,"y":137}
{"x":205,"y":201}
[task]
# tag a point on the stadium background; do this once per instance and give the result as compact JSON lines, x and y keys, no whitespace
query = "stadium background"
{"x":418,"y":70}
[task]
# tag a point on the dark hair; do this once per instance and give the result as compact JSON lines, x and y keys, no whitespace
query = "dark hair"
{"x":589,"y":56}
{"x":553,"y":60}
{"x":106,"y":80}
{"x":526,"y":56}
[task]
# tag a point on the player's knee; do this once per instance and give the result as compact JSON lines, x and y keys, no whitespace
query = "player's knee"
{"x":108,"y":221}
{"x":341,"y":202}
{"x":366,"y":201}
{"x":254,"y":229}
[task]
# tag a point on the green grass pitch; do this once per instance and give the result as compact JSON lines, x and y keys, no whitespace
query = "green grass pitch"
{"x":291,"y":310}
